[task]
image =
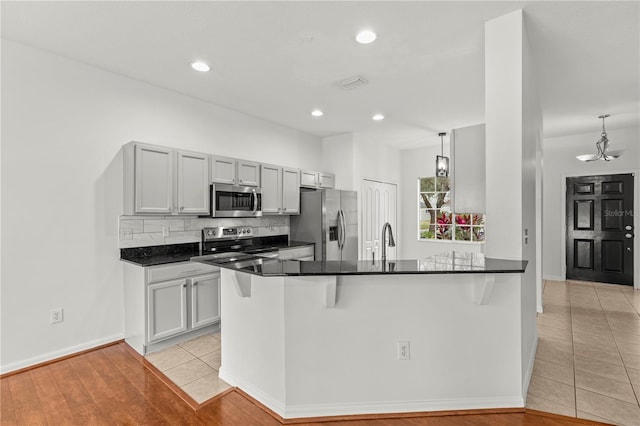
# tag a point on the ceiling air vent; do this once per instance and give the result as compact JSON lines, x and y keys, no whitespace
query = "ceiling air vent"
{"x":352,"y":82}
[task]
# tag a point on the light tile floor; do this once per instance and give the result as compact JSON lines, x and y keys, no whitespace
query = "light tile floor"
{"x":193,"y":366}
{"x":588,"y":360}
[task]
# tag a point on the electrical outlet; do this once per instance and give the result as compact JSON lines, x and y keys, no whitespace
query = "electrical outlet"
{"x":404,"y":352}
{"x":56,"y":315}
{"x":126,"y":234}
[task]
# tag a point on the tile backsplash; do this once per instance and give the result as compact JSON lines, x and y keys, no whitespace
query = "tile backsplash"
{"x":138,"y":231}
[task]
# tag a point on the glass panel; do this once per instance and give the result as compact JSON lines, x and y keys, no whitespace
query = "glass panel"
{"x":443,"y":232}
{"x":446,"y":203}
{"x":427,"y":184}
{"x":463,"y":233}
{"x":478,"y":218}
{"x":478,"y":233}
{"x":433,"y":200}
{"x":442,"y":184}
{"x":463,"y":219}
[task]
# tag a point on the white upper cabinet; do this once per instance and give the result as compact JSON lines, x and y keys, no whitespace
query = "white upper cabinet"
{"x":271,"y":177}
{"x":311,"y":179}
{"x":248,"y":173}
{"x":290,"y":190}
{"x":326,"y":180}
{"x":308,"y":179}
{"x":280,"y":189}
{"x":153,"y":177}
{"x":193,"y":183}
{"x":234,"y":172}
{"x":223,"y":170}
{"x":161,"y":180}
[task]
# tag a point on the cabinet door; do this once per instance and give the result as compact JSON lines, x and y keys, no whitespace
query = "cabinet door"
{"x":153,"y":179}
{"x":223,"y":170}
{"x":205,"y":300}
{"x":290,"y":191}
{"x":326,"y":180}
{"x":248,"y":173}
{"x":193,"y":183}
{"x":271,"y":178}
{"x":166,"y":309}
{"x":308,"y":179}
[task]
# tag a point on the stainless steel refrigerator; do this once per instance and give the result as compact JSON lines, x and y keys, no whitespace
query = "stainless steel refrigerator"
{"x":328,"y":218}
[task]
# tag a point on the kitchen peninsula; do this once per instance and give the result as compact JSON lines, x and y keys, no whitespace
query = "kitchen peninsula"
{"x":326,"y":338}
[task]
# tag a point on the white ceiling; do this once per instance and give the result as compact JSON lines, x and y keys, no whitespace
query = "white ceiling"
{"x":279,"y":60}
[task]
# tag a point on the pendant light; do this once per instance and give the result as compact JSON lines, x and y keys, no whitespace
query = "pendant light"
{"x":442,"y":162}
{"x":602,"y":145}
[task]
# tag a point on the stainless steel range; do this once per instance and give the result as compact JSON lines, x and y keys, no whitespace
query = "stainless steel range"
{"x":233,"y":244}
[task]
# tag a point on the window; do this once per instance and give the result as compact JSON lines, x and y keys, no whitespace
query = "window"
{"x":437,"y":221}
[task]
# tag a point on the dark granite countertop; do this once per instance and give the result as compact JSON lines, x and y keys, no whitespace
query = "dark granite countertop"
{"x":173,"y":253}
{"x":446,"y":263}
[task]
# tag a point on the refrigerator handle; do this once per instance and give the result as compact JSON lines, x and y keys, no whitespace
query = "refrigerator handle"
{"x":339,"y":219}
{"x":343,"y":227}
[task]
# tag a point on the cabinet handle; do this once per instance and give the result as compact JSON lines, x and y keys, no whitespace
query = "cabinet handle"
{"x":181,"y":208}
{"x":195,"y":283}
{"x":184,"y":285}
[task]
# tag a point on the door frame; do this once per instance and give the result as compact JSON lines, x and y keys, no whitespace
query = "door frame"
{"x":636,"y":218}
{"x":361,"y":211}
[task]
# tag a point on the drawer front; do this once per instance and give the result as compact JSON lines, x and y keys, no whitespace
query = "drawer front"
{"x":297,"y":253}
{"x":177,"y":270}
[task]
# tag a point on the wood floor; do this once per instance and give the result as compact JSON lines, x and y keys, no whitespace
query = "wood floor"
{"x":111,"y":386}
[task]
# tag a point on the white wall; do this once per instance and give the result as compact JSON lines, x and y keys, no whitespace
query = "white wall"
{"x":421,"y":162}
{"x":337,"y":157}
{"x":559,"y":156}
{"x":63,"y":124}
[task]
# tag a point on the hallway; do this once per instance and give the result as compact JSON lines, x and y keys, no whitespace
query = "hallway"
{"x":588,"y":359}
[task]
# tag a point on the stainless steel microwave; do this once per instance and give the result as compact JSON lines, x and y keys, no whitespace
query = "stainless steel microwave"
{"x":235,"y":201}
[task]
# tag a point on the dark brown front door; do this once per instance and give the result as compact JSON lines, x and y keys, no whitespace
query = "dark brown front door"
{"x":600,"y":228}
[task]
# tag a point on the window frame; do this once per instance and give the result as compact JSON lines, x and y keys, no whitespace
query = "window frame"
{"x":453,"y":216}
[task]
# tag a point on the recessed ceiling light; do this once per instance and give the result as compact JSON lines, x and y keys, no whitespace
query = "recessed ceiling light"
{"x":365,"y":37}
{"x":200,"y":66}
{"x":317,"y":113}
{"x":377,"y":117}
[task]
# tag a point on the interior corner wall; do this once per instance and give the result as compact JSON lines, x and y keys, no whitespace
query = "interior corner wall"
{"x":337,"y":157}
{"x":63,"y":124}
{"x":560,"y":162}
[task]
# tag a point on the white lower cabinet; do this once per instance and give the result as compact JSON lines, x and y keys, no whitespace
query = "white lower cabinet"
{"x":205,"y":300}
{"x":167,"y":309}
{"x":167,"y":304}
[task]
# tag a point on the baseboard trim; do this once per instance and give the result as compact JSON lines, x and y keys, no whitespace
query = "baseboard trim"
{"x":378,"y":415}
{"x":256,"y":394}
{"x":56,"y":356}
{"x":403,"y":407}
{"x":288,"y":414}
{"x":553,"y":278}
{"x":532,"y":359}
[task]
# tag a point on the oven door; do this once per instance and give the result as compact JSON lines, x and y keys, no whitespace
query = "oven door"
{"x":235,"y":201}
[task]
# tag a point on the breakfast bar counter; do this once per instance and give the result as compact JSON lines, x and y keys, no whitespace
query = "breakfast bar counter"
{"x":445,"y":263}
{"x":313,"y":339}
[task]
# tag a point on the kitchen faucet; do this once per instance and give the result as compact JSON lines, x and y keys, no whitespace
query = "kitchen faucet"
{"x":392,"y":242}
